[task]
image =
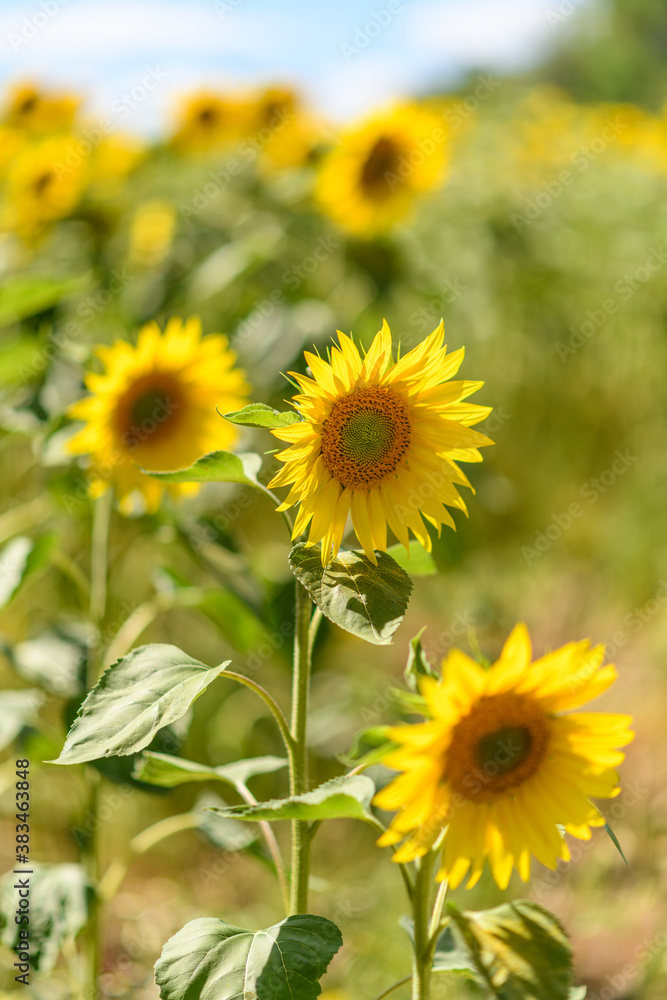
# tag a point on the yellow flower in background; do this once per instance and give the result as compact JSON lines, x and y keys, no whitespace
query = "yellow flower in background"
{"x":379,"y":439}
{"x":154,"y":406}
{"x":285,"y":133}
{"x":152,"y":233}
{"x":209,"y":120}
{"x":371,"y":178}
{"x":112,"y":160}
{"x":39,"y":113}
{"x":45,"y":183}
{"x":11,"y":143}
{"x":499,"y":766}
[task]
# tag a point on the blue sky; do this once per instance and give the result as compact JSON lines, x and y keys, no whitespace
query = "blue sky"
{"x":347,"y":55}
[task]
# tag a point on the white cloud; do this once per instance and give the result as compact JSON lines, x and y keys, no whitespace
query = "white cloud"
{"x":481,"y":33}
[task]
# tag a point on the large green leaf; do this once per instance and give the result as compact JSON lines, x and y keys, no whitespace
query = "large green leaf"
{"x":368,"y":601}
{"x":17,"y":709}
{"x":59,"y":902}
{"x":147,"y":689}
{"x":167,"y":772}
{"x":218,"y":467}
{"x":210,"y":959}
{"x":518,"y":951}
{"x":341,"y":798}
{"x":261,"y":415}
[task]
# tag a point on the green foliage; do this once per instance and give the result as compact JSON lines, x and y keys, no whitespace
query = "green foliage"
{"x":26,"y":296}
{"x":418,"y":562}
{"x":59,"y":904}
{"x":368,"y":601}
{"x":341,"y":798}
{"x":218,"y":467}
{"x":417,"y":665}
{"x":19,"y":559}
{"x":212,"y":960}
{"x":17,"y":709}
{"x":517,"y":951}
{"x":261,"y":415}
{"x":168,"y":772}
{"x":368,"y":747}
{"x":141,"y":693}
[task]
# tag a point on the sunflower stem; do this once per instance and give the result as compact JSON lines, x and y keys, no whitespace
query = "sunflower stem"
{"x":301,"y":839}
{"x":99,"y":557}
{"x":421,"y":914}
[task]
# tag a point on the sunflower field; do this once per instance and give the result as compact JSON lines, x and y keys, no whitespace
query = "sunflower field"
{"x":332,"y":495}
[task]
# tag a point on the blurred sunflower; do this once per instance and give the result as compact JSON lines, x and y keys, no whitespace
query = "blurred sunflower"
{"x":499,"y":767}
{"x":370,"y":179}
{"x":32,"y":110}
{"x":45,"y":183}
{"x":155,"y":407}
{"x":152,"y":233}
{"x":286,"y":133}
{"x":11,"y":142}
{"x":379,"y":439}
{"x":208,"y":120}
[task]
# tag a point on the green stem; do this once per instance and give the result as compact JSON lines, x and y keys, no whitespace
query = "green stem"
{"x":421,"y":907}
{"x":90,"y":850}
{"x":99,"y":557}
{"x":394,"y":986}
{"x":301,"y":839}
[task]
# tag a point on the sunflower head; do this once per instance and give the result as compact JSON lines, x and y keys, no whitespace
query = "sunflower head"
{"x":379,"y":439}
{"x":39,"y":113}
{"x":154,"y":406}
{"x":208,"y":121}
{"x":370,"y":179}
{"x":502,"y":765}
{"x":44,"y":184}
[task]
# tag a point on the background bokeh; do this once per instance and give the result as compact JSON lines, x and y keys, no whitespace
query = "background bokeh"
{"x":544,"y":248}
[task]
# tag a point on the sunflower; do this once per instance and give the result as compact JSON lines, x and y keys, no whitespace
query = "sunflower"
{"x":38,"y":113}
{"x":209,"y":120}
{"x":370,"y":179}
{"x":379,"y":439}
{"x":498,"y":765}
{"x":44,"y":184}
{"x":154,"y":406}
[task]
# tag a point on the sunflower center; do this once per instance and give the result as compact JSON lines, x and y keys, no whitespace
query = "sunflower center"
{"x":498,"y":746}
{"x":382,"y":159}
{"x":208,"y":117}
{"x":42,"y":182}
{"x":365,"y":437}
{"x":149,"y":411}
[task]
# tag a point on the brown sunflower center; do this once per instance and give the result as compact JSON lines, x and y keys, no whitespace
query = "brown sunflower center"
{"x":365,"y":437}
{"x":208,"y":117}
{"x":42,"y":182}
{"x":496,"y":747}
{"x":382,"y":159}
{"x":149,"y":410}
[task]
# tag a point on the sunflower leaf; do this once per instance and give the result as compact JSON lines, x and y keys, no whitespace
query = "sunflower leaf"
{"x":341,"y":798}
{"x":166,"y":771}
{"x":368,"y":601}
{"x":418,"y":563}
{"x":217,"y":467}
{"x":261,"y":415}
{"x":60,"y":898}
{"x":417,"y":665}
{"x":209,"y":959}
{"x":614,"y":839}
{"x":141,"y":693}
{"x":368,"y":747}
{"x":518,"y":951}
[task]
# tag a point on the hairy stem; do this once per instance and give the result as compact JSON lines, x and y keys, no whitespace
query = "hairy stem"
{"x":421,"y":912}
{"x":301,"y":839}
